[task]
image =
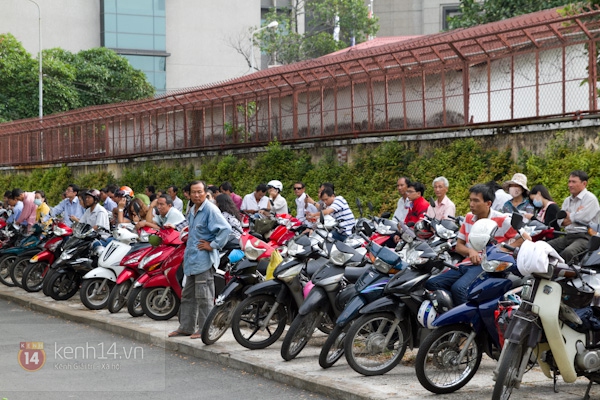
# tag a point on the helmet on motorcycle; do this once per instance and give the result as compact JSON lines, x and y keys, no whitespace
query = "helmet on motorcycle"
{"x":276,"y":184}
{"x":482,"y":231}
{"x":127,"y":190}
{"x":441,"y":300}
{"x":93,"y":193}
{"x":576,"y":297}
{"x":423,"y":229}
{"x":427,"y":314}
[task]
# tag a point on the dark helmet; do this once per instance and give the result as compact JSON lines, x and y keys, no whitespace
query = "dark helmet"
{"x":94,"y":193}
{"x":576,"y":297}
{"x":423,"y":229}
{"x":441,"y":300}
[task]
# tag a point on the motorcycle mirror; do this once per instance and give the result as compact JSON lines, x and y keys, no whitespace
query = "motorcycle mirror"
{"x":322,"y":217}
{"x":432,"y":202}
{"x":359,"y":205}
{"x":370,"y":205}
{"x":516,"y":221}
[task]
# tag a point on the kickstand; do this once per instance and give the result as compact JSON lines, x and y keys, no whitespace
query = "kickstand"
{"x":555,"y":379}
{"x":587,"y":392}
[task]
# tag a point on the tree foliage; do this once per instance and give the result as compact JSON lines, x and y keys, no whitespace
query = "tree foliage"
{"x":287,"y":44}
{"x":90,"y":77}
{"x":475,"y":12}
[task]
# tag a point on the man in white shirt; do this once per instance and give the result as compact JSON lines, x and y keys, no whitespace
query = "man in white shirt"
{"x":255,"y":201}
{"x":177,"y":202}
{"x":404,"y":201}
{"x":301,"y":206}
{"x":167,"y":214}
{"x":94,"y":215}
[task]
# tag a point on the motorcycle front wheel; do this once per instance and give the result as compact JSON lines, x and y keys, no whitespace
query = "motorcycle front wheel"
{"x":94,"y":294}
{"x":249,"y":326}
{"x":375,"y":343}
{"x":218,"y":321}
{"x":118,"y":296}
{"x":508,"y":370}
{"x":134,"y":304}
{"x":46,"y":289}
{"x":158,"y":305}
{"x":333,"y":349}
{"x":6,"y":264}
{"x":16,"y":273}
{"x":437,"y":365}
{"x":33,"y":276}
{"x":63,"y":286}
{"x":299,"y":333}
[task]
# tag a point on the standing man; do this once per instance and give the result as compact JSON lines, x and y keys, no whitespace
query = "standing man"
{"x":208,"y":233}
{"x":582,"y":208}
{"x":418,"y":205}
{"x":444,"y":207}
{"x":301,"y":206}
{"x":27,"y":216}
{"x":458,"y":282}
{"x":403,"y":201}
{"x":70,"y":208}
{"x":227,"y":188}
{"x":255,"y":201}
{"x":177,"y":202}
{"x":338,"y":207}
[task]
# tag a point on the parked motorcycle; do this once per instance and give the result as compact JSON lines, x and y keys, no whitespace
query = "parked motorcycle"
{"x":557,"y":324}
{"x":18,"y":244}
{"x":39,"y":265}
{"x":98,"y":283}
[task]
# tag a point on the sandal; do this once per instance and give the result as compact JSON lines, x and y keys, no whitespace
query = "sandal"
{"x":196,"y":335}
{"x":177,"y":333}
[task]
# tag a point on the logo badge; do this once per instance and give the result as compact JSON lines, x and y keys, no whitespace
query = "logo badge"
{"x":547,"y":289}
{"x":32,"y":356}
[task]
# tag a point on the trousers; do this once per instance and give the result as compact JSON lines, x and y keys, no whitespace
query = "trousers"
{"x":457,"y":282}
{"x":197,"y":299}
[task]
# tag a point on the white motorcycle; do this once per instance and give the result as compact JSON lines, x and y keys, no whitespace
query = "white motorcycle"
{"x":97,"y":283}
{"x":546,"y":329}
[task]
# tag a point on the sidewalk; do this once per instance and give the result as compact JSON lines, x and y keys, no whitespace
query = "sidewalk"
{"x":339,"y":382}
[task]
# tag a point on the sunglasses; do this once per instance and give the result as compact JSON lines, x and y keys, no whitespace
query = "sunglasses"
{"x":298,"y":188}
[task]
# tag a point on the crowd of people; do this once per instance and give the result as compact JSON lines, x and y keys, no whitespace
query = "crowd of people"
{"x":213,"y":215}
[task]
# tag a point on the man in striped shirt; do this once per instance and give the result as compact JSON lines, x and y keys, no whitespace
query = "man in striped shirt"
{"x":338,"y":207}
{"x":458,"y":282}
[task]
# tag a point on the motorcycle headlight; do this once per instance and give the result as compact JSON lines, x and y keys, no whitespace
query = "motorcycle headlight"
{"x":382,"y":266}
{"x":251,"y":252}
{"x":338,"y":257}
{"x":290,"y":273}
{"x":445,"y":233}
{"x":413,"y":257}
{"x":58,"y":231}
{"x":132,"y":261}
{"x":65,"y":255}
{"x":148,"y":259}
{"x":495,"y":265}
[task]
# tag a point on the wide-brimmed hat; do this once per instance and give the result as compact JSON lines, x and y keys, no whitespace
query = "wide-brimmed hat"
{"x":517,"y":179}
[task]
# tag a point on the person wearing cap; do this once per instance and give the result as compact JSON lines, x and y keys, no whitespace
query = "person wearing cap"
{"x":70,"y":208}
{"x":277,"y":204}
{"x":94,"y":215}
{"x":518,"y":190}
{"x":582,"y":208}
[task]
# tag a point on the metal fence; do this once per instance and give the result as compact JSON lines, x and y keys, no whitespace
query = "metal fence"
{"x":535,"y":66}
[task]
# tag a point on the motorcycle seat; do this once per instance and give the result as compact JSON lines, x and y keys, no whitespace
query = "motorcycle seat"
{"x":353,"y":273}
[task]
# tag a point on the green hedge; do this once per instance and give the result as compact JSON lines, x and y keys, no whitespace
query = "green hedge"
{"x":370,"y":176}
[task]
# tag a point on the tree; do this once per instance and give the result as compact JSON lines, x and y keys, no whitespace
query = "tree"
{"x":288,"y":44}
{"x":90,"y":77}
{"x":477,"y":13}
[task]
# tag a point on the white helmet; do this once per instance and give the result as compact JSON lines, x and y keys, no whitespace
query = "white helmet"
{"x":276,"y":184}
{"x":427,"y":314}
{"x":482,"y":231}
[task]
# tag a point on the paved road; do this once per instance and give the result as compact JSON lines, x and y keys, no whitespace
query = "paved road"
{"x":85,"y":362}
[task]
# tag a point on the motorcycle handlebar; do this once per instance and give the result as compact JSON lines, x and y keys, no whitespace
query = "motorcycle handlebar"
{"x":508,"y":247}
{"x":450,"y":265}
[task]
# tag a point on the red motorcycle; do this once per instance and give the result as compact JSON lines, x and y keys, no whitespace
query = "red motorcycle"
{"x":39,"y":264}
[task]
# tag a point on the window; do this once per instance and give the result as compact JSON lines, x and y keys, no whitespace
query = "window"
{"x":449,"y":11}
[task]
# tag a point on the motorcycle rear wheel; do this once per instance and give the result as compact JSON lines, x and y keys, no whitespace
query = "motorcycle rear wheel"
{"x":16,"y":273}
{"x":508,"y":370}
{"x":33,"y":276}
{"x":436,"y":365}
{"x":299,"y":333}
{"x":134,"y":304}
{"x":333,"y":349}
{"x":218,"y":321}
{"x":157,"y":309}
{"x":7,"y":261}
{"x":366,"y":347}
{"x":248,"y":319}
{"x":90,"y":297}
{"x":63,"y":286}
{"x":118,"y":296}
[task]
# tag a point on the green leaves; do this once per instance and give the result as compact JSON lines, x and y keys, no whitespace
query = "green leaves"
{"x":90,"y":77}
